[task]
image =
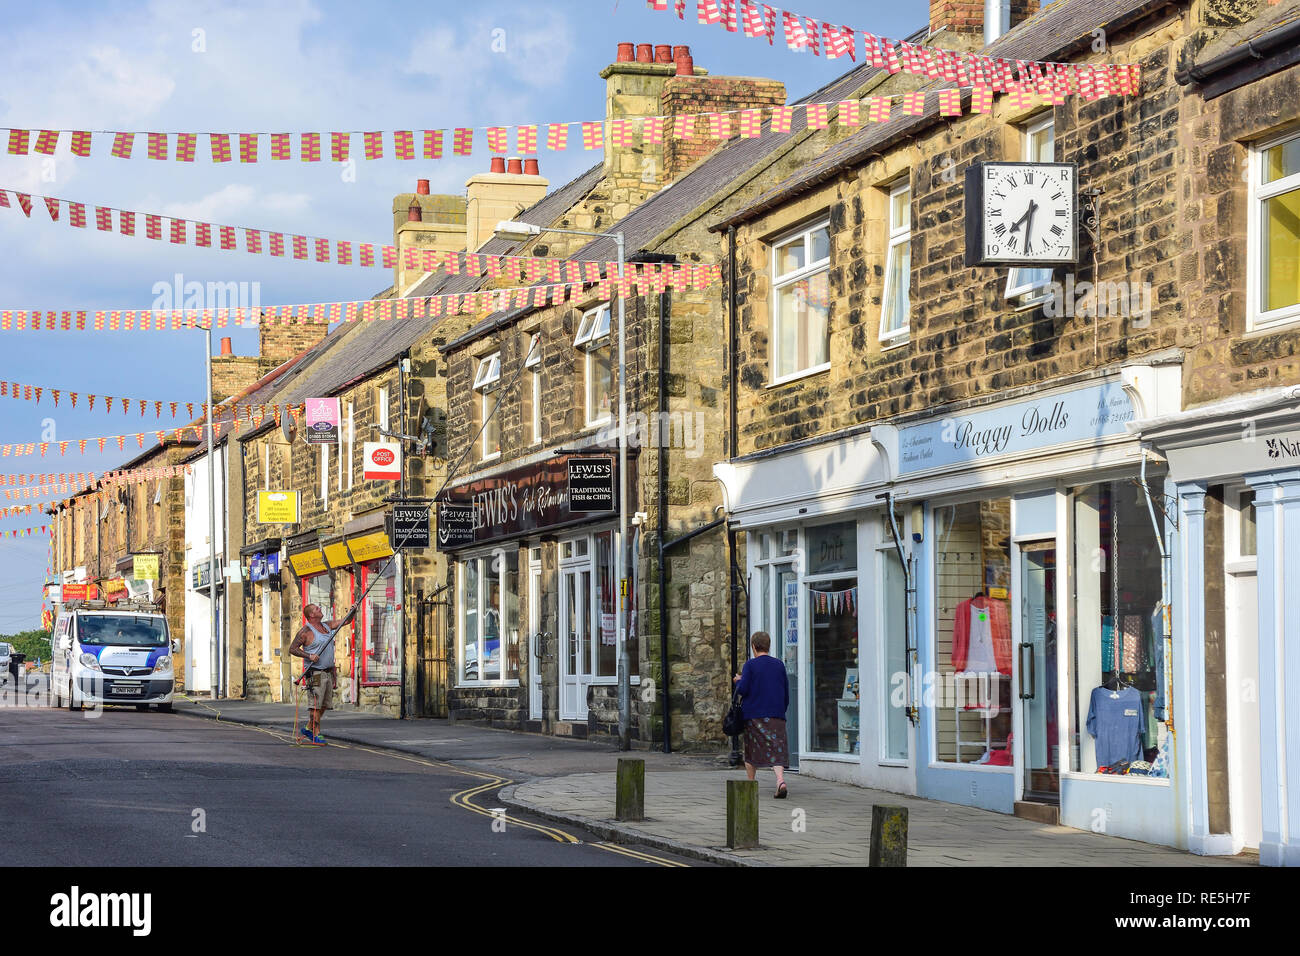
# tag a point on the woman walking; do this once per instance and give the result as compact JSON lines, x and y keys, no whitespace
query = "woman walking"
{"x":764,"y":689}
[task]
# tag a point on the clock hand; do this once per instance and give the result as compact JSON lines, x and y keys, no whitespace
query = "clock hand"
{"x":1029,"y":224}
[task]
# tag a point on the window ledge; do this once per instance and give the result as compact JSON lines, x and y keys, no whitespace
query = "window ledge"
{"x":806,"y":373}
{"x":1021,"y":304}
{"x":896,"y":340}
{"x":478,"y":684}
{"x":1286,"y":322}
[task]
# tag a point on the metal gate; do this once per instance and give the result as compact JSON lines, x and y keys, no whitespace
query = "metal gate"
{"x":431,"y":654}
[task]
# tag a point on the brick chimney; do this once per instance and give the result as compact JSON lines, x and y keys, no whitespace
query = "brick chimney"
{"x":501,"y":193}
{"x":425,"y":221}
{"x":971,"y":24}
{"x":658,"y":80}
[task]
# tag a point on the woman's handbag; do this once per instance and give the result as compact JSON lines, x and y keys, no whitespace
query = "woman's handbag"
{"x":733,"y":725}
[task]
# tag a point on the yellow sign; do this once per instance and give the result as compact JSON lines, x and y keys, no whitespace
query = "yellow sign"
{"x":307,"y":562}
{"x":145,"y":567}
{"x":999,"y":593}
{"x":113,"y":586}
{"x":277,"y":507}
{"x":336,"y":553}
{"x":368,"y":547}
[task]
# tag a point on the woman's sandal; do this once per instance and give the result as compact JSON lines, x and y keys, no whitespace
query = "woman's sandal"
{"x":781,"y":792}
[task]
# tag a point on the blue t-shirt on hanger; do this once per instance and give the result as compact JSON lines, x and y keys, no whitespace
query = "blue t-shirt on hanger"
{"x":1117,"y":719}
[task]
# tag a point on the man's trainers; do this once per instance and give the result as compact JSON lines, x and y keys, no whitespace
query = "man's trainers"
{"x":318,"y":741}
{"x":305,"y":732}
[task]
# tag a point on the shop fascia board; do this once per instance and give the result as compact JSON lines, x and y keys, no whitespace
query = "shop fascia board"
{"x":804,"y":483}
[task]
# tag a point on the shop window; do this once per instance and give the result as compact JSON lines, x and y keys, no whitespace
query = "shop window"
{"x":1118,"y":664}
{"x":774,"y":609}
{"x":1246,"y":547}
{"x":318,"y":589}
{"x":606,"y":607}
{"x":489,"y":602}
{"x":971,"y":688}
{"x":801,"y":303}
{"x":896,"y":304}
{"x":1274,"y":233}
{"x":381,"y":625}
{"x":833,"y":674}
{"x":486,"y":381}
{"x":598,"y":376}
{"x":1030,"y":286}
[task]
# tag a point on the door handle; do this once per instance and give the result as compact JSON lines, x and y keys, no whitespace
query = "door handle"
{"x":1031,"y":670}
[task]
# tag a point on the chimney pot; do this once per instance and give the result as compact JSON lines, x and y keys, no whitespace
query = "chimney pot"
{"x":515,"y":166}
{"x":685,"y":65}
{"x":498,"y":164}
{"x":422,"y":187}
{"x":644,"y":53}
{"x":226,"y":348}
{"x":414,"y":213}
{"x":625,"y":53}
{"x":681,"y":51}
{"x":530,"y":168}
{"x":664,"y":53}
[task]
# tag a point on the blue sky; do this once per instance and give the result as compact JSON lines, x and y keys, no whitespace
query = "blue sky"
{"x":284,"y":66}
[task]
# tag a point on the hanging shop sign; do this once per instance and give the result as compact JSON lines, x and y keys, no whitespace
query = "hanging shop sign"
{"x":322,"y":421}
{"x":114,"y":587}
{"x":264,"y":567}
{"x":591,"y":485}
{"x":145,"y":567}
{"x":521,"y":502}
{"x":278,"y":507}
{"x":1084,"y":414}
{"x":382,"y":460}
{"x":306,"y":563}
{"x":409,"y":526}
{"x":455,"y":525}
{"x":369,"y":546}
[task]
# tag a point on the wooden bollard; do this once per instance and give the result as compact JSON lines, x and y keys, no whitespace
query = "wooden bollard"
{"x":629,"y":794}
{"x":888,"y":836}
{"x":742,"y":814}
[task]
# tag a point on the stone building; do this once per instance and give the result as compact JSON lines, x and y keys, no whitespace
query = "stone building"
{"x":959,"y":530}
{"x":99,"y":531}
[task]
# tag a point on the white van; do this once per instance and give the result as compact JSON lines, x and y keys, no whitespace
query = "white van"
{"x":118,"y":654}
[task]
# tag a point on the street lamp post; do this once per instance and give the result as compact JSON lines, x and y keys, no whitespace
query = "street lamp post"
{"x":520,"y":232}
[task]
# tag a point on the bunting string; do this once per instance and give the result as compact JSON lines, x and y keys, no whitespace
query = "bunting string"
{"x":26,"y":532}
{"x":822,"y":37}
{"x":111,"y":403}
{"x":969,"y":71}
{"x":649,"y":278}
{"x":37,"y":485}
{"x":79,"y":445}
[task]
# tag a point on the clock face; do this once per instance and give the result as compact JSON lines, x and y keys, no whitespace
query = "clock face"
{"x":1028,"y":213}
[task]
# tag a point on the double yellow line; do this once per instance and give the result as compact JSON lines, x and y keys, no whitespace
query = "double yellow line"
{"x":464,"y":798}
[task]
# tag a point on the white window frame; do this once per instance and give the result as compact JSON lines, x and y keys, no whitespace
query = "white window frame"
{"x":266,"y":467}
{"x":590,"y":562}
{"x":1028,"y":292}
{"x":897,"y":237}
{"x":266,"y":622}
{"x":486,"y":381}
{"x":593,"y":335}
{"x":781,"y":280}
{"x":1260,"y":192}
{"x":533,"y":362}
{"x":485,"y":559}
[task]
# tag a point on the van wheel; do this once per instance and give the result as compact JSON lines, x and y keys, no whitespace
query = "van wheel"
{"x":165,"y":708}
{"x":141,"y":706}
{"x":72,"y":701}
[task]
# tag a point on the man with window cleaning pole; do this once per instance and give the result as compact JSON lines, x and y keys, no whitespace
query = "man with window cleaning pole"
{"x":314,"y":643}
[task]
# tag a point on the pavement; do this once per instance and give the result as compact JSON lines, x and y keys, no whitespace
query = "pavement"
{"x":820,"y":824}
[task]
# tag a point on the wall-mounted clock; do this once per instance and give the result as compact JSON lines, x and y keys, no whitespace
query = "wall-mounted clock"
{"x":1022,"y":214}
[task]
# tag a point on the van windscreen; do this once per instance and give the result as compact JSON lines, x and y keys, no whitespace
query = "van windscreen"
{"x":113,"y":630}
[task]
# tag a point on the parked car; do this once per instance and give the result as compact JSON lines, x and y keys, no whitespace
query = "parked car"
{"x":5,"y":652}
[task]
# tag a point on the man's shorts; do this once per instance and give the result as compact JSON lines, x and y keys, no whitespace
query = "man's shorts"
{"x":320,"y":690}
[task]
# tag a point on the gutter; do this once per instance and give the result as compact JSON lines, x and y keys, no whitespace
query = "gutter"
{"x":1286,"y":35}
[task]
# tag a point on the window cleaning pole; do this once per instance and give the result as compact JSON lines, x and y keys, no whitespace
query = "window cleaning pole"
{"x":909,"y":618}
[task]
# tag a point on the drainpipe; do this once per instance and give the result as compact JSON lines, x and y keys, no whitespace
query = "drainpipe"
{"x":401,"y":493}
{"x":731,"y":453}
{"x":909,"y":617}
{"x":665,"y":312}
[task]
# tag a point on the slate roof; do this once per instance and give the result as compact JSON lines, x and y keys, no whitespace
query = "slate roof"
{"x":677,"y":201}
{"x":1053,"y":33}
{"x":352,"y":353}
